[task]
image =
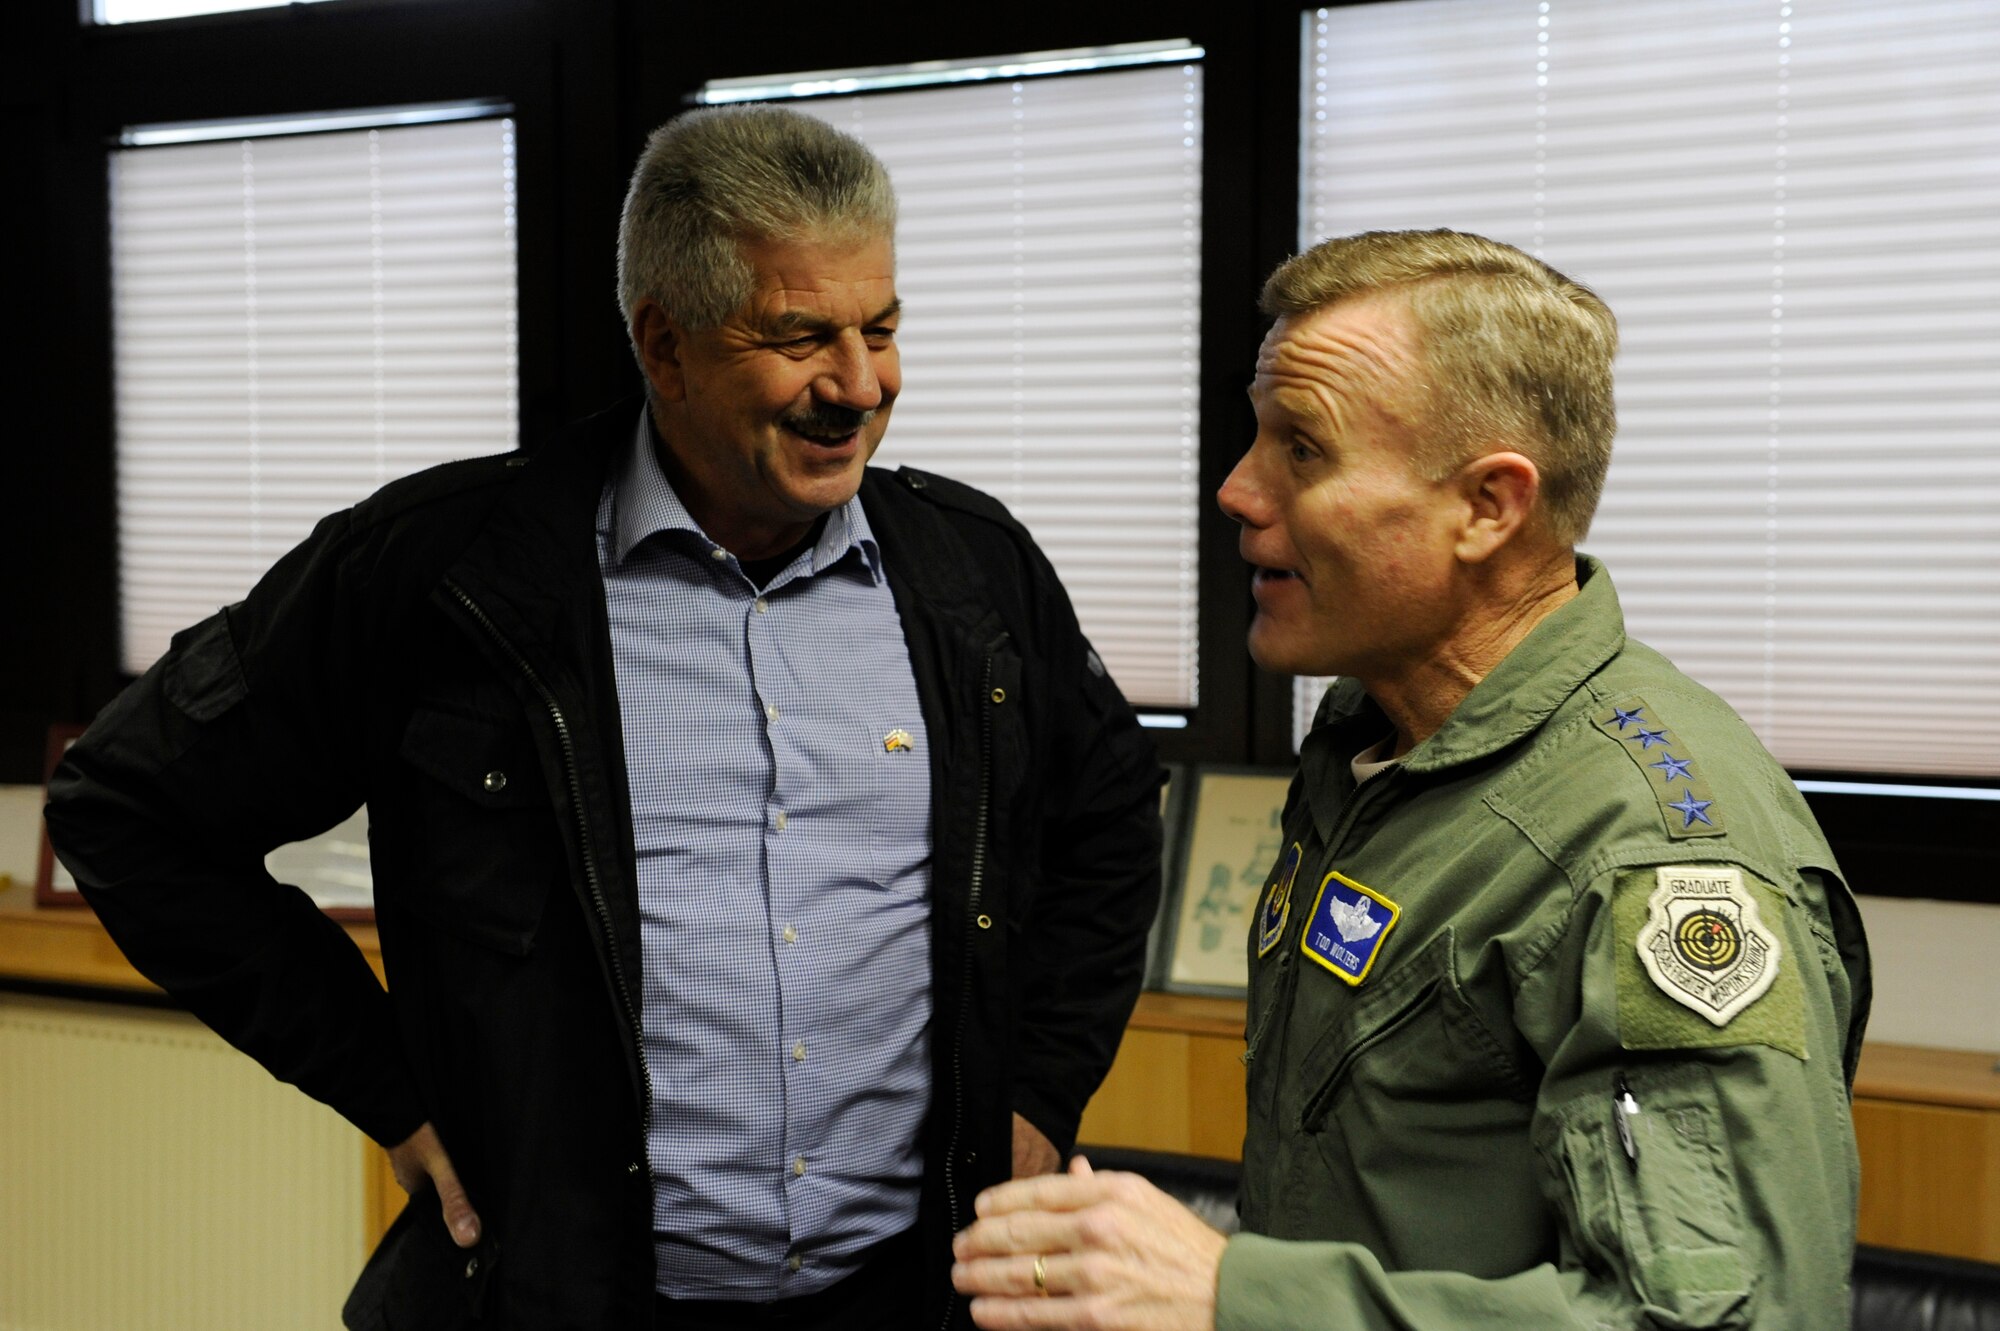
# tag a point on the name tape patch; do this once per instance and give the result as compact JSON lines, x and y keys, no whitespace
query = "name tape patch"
{"x":1347,"y":927}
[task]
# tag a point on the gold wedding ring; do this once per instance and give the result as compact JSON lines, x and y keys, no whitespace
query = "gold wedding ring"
{"x":1041,"y":1276}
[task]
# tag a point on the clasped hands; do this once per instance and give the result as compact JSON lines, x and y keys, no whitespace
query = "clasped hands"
{"x":1089,"y":1250}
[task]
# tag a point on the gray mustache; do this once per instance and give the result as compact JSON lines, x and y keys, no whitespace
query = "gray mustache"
{"x":827,"y":420}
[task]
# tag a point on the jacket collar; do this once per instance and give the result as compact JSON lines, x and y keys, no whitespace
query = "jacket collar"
{"x":533,"y":566}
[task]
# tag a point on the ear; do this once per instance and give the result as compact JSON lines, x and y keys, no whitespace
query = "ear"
{"x":661,"y":343}
{"x":1500,"y":490}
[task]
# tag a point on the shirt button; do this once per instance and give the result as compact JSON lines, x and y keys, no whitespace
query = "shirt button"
{"x":795,"y":1261}
{"x":791,"y":934}
{"x":798,"y":1166}
{"x":781,"y":822}
{"x":799,"y":1052}
{"x":495,"y":782}
{"x":770,"y":711}
{"x":718,"y":553}
{"x":762,"y":605}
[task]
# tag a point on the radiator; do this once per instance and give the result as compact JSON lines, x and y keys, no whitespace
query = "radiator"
{"x":153,"y":1179}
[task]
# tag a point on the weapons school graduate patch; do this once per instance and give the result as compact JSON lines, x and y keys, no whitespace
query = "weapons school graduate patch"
{"x":1347,"y":926}
{"x":1701,"y":968}
{"x":1278,"y":902}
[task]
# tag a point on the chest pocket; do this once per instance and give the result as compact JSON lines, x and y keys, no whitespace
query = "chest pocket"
{"x":1408,"y":1044}
{"x":1412,"y":1127}
{"x":478,"y":850}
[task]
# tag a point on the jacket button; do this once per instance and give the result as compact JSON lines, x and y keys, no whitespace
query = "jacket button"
{"x":471,"y":1267}
{"x":495,"y":782}
{"x":985,"y":921}
{"x":632,"y":1168}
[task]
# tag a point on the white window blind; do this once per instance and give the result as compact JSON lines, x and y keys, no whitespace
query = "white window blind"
{"x":145,"y":11}
{"x":296,"y":321}
{"x":1048,"y":257}
{"x":1790,"y":208}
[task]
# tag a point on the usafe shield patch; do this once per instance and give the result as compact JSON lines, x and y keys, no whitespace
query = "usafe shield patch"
{"x":1278,"y":901}
{"x":1701,"y":967}
{"x":1674,"y":773}
{"x":1347,"y":927}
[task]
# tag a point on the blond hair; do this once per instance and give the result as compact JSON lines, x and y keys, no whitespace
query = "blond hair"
{"x":1515,"y":354}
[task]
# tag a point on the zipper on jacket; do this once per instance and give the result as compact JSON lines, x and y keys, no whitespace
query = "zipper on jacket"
{"x":975,"y":883}
{"x":590,"y":874}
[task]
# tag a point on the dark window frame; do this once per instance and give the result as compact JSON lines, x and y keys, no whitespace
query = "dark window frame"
{"x":588,"y":79}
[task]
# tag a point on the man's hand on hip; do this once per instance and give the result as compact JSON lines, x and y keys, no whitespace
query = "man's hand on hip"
{"x":1087,"y":1250}
{"x":1033,"y":1153}
{"x":421,"y":1156}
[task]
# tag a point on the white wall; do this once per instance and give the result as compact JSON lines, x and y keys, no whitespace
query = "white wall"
{"x":20,"y":832}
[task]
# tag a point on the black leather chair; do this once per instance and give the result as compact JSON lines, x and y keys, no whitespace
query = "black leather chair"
{"x":1913,"y":1291}
{"x":1893,"y":1291}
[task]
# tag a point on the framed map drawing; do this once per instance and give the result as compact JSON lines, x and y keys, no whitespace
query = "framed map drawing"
{"x":332,"y":869}
{"x":53,"y":885}
{"x":1235,"y":833}
{"x":1173,"y":813}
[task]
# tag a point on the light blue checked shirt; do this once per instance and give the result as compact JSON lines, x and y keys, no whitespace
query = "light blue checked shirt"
{"x":784,"y":855}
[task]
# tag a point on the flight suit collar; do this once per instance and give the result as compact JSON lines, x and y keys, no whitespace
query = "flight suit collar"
{"x":1545,"y":668}
{"x":1542,"y":672}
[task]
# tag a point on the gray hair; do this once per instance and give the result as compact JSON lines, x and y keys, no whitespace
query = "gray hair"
{"x":712,"y":178}
{"x":1514,"y":350}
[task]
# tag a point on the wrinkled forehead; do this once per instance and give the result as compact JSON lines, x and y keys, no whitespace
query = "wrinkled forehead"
{"x":846,"y":278}
{"x":1359,"y":350}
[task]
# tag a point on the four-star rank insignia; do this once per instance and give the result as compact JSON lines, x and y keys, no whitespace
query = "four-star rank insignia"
{"x":1703,"y":942}
{"x":1277,"y":906}
{"x":1687,"y":806}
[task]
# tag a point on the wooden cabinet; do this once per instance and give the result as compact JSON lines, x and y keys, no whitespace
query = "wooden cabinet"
{"x":1928,"y":1124}
{"x":1928,"y":1120}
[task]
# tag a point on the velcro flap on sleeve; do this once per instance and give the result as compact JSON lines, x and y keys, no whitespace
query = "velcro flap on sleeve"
{"x":202,"y":675}
{"x":1705,"y":961}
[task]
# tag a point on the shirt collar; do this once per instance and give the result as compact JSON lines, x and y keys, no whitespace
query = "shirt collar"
{"x":643,"y":502}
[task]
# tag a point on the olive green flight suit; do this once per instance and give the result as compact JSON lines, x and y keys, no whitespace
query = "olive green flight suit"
{"x":1438,"y":1145}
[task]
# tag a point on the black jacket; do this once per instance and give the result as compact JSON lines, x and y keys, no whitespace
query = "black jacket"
{"x":440,"y":652}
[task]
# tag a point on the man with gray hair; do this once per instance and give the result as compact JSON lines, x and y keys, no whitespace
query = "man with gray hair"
{"x":763,"y":858}
{"x":1556,"y":992}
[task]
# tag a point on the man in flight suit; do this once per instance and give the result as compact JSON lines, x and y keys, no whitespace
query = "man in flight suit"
{"x":1556,"y":993}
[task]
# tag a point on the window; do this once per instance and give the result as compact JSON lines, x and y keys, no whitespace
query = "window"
{"x":297,"y":318}
{"x":1789,"y":207}
{"x":145,"y":11}
{"x":1049,"y":262}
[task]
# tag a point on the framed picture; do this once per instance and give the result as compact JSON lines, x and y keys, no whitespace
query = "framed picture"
{"x":331,"y":868}
{"x":53,"y":885}
{"x":1173,"y":813}
{"x":1234,"y":833}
